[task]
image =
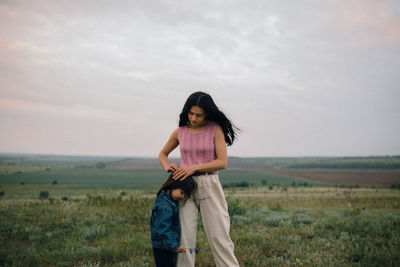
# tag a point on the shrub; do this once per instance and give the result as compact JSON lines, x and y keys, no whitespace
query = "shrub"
{"x":236,"y":208}
{"x":54,"y":182}
{"x":276,"y":207}
{"x":100,"y":165}
{"x":93,"y":232}
{"x":44,"y":194}
{"x":274,"y":219}
{"x":300,"y":218}
{"x":395,"y":186}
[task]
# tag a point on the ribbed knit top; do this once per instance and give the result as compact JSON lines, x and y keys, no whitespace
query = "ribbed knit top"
{"x":197,"y":148}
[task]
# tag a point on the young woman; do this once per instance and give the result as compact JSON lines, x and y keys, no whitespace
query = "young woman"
{"x":203,"y":134}
{"x":164,"y":223}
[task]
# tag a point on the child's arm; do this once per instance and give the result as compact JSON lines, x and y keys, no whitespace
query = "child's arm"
{"x":163,"y":226}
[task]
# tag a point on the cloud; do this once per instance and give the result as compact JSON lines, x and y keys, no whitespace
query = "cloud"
{"x":79,"y":112}
{"x":291,"y":75}
{"x":370,"y":24}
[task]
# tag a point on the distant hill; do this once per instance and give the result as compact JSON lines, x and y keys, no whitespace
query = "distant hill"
{"x":387,"y":162}
{"x":336,"y":170}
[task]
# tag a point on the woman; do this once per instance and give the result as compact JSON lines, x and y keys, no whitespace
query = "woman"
{"x":203,"y":134}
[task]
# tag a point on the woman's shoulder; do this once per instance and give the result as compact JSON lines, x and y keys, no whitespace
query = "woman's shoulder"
{"x":213,"y":126}
{"x":175,"y":132}
{"x":180,"y":130}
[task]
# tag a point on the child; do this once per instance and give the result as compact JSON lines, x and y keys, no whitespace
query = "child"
{"x":164,"y":224}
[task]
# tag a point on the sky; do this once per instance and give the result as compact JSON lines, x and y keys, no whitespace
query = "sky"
{"x":299,"y":78}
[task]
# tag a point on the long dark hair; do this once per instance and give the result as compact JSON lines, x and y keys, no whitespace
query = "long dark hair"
{"x":188,"y":185}
{"x":205,"y":101}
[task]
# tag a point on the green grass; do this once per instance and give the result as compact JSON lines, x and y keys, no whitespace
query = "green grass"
{"x":106,"y":230}
{"x":114,"y":178}
{"x":104,"y":177}
{"x":98,"y":214}
{"x":297,"y":226}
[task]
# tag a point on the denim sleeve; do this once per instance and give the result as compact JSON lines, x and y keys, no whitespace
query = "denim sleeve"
{"x":163,"y":226}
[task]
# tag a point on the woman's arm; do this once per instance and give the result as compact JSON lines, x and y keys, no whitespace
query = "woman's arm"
{"x":219,"y":163}
{"x":171,"y":144}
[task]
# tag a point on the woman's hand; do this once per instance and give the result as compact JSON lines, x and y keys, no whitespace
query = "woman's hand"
{"x":171,"y":167}
{"x":181,"y":249}
{"x":183,"y":173}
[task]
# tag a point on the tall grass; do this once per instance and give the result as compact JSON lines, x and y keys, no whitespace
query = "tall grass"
{"x":96,"y":229}
{"x":284,"y":228}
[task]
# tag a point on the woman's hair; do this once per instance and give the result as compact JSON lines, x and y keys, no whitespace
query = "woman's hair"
{"x":205,"y":101}
{"x":188,"y":185}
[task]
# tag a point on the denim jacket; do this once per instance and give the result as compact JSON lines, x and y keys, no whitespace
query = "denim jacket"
{"x":164,"y":223}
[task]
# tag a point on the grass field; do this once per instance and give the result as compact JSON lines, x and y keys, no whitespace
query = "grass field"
{"x":97,"y":213}
{"x":306,"y":226}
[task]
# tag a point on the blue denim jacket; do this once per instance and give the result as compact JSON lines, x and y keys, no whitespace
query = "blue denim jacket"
{"x":164,"y":224}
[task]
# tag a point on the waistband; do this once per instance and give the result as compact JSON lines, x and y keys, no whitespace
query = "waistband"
{"x":204,"y":173}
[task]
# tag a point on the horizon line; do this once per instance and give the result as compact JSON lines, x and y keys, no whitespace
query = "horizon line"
{"x":233,"y":156}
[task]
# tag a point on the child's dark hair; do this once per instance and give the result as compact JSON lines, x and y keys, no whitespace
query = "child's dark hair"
{"x":205,"y":101}
{"x":188,"y":185}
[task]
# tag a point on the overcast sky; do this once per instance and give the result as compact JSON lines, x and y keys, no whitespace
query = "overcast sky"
{"x":299,"y":78}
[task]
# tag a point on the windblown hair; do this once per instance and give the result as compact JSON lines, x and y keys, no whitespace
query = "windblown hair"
{"x":188,"y":185}
{"x":205,"y":101}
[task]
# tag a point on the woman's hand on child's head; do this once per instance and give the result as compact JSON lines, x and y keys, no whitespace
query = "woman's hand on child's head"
{"x":172,"y":167}
{"x":181,"y":249}
{"x":183,"y":173}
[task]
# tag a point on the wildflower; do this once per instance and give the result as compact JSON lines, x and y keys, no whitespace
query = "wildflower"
{"x":349,"y":205}
{"x":195,"y":250}
{"x":298,"y":262}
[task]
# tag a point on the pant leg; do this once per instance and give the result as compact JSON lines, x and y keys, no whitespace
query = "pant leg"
{"x":215,"y":216}
{"x":188,"y":216}
{"x":164,"y":258}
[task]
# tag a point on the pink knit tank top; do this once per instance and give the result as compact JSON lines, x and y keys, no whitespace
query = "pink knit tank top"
{"x":197,"y":148}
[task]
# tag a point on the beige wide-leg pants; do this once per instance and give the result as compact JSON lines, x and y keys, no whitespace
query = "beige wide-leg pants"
{"x":210,"y":201}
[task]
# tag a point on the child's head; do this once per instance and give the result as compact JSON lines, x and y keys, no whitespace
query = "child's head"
{"x":187,"y":186}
